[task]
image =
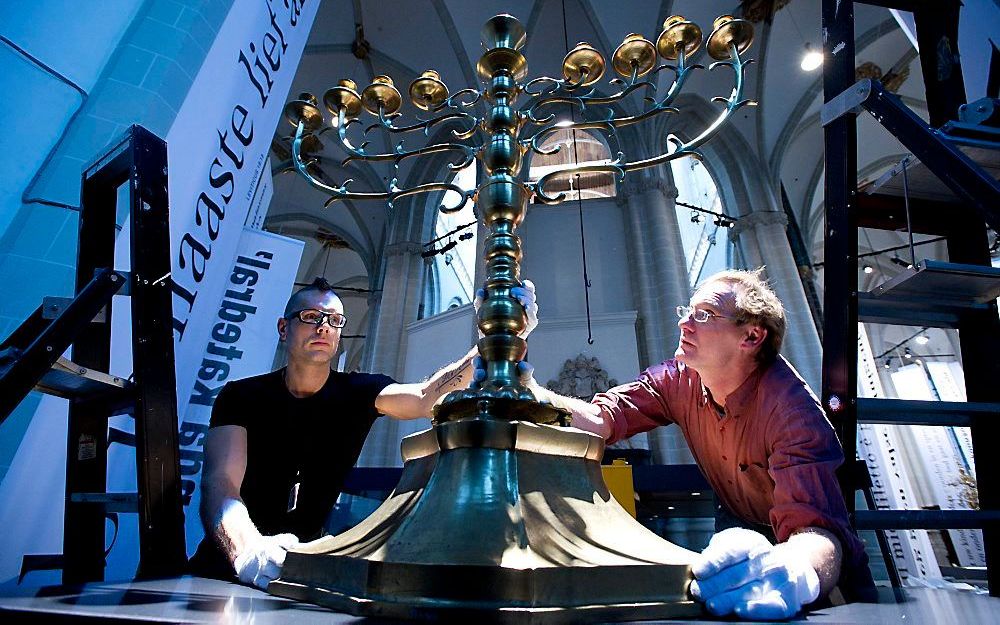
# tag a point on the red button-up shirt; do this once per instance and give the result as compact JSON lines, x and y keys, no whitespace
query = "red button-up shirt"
{"x":770,"y":454}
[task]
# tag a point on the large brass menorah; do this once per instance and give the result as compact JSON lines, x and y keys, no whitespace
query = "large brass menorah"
{"x":501,"y":514}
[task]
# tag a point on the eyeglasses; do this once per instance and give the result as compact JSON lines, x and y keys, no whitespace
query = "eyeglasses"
{"x":698,"y":314}
{"x":317,"y":317}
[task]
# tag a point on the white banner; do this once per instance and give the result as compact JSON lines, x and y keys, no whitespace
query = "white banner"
{"x":244,"y":336}
{"x":879,"y":446}
{"x":940,"y":465}
{"x":219,"y":181}
{"x":218,"y":148}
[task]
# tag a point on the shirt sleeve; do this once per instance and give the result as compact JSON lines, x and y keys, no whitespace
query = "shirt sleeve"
{"x":228,"y":409}
{"x":644,"y":404}
{"x":803,"y":458}
{"x":368,"y":386}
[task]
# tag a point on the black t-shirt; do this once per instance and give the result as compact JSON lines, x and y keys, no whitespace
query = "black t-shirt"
{"x":310,"y":441}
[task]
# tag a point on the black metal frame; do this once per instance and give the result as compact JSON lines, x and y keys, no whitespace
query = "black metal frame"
{"x":37,"y":343}
{"x":967,"y":243}
{"x":140,"y":161}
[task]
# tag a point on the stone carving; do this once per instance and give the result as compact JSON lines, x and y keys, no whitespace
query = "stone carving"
{"x":638,"y":185}
{"x":402,"y":248}
{"x":581,"y":377}
{"x":757,"y":218}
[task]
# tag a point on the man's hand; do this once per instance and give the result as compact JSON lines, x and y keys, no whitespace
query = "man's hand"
{"x":260,"y":563}
{"x":524,"y":294}
{"x":741,"y":572}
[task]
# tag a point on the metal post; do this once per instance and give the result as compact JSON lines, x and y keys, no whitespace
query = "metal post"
{"x":840,"y":334}
{"x":161,"y":517}
{"x":979,"y":335}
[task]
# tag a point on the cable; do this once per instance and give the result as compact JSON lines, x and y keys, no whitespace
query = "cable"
{"x":579,"y":196}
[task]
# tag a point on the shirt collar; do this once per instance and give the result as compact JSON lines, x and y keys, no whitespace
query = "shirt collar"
{"x":746,"y":393}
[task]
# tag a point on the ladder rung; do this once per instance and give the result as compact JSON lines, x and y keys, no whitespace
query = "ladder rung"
{"x":937,"y":281}
{"x":910,"y":311}
{"x":924,"y":519}
{"x":917,"y":412}
{"x":71,"y":381}
{"x":111,"y":502}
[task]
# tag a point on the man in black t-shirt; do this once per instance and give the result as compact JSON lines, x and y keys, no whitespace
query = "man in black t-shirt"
{"x":280,"y":445}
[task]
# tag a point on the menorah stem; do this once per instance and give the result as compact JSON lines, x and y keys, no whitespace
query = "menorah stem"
{"x":502,"y":202}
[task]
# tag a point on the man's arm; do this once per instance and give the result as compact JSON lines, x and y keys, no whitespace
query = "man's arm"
{"x":223,"y":513}
{"x":822,"y":550}
{"x":413,"y":401}
{"x":585,"y":415}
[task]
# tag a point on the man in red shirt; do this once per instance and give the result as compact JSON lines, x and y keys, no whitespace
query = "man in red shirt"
{"x":761,"y":439}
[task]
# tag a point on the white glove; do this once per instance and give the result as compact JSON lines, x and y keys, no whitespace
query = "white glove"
{"x":525,"y":371}
{"x":524,"y":294}
{"x":741,"y":572}
{"x":261,"y":561}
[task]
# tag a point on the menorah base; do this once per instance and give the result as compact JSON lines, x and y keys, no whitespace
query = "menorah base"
{"x":522,"y":531}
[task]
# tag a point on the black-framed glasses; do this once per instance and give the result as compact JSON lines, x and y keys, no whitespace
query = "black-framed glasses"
{"x":698,"y":314}
{"x":317,"y":317}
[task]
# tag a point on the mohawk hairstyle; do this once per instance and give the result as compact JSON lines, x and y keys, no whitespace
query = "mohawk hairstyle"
{"x":319,"y":284}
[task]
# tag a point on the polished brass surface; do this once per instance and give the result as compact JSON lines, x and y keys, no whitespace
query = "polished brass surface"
{"x":503,"y":31}
{"x":381,"y":97}
{"x":502,"y":514}
{"x":306,"y":110}
{"x":583,"y":65}
{"x":502,"y":59}
{"x":635,"y":55}
{"x":343,"y":97}
{"x":535,"y":537}
{"x":727,"y":32}
{"x":428,"y":92}
{"x":678,"y":34}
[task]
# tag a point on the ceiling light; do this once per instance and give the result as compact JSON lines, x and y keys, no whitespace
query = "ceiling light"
{"x":869,"y":268}
{"x":922,"y":339}
{"x":811,"y":60}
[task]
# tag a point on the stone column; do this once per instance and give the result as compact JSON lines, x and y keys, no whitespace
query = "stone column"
{"x":764,"y":242}
{"x":395,"y":307}
{"x":660,"y":284}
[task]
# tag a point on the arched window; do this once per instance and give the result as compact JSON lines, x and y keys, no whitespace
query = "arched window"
{"x":589,"y":149}
{"x":704,"y":236}
{"x":448,"y":279}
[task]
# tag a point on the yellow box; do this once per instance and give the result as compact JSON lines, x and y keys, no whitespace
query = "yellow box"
{"x":618,"y":477}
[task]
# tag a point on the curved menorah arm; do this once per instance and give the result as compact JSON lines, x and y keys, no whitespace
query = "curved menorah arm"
{"x":394,"y":193}
{"x":468,"y":152}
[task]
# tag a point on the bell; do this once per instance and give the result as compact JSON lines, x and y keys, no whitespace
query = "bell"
{"x":678,"y":34}
{"x":306,"y":110}
{"x":583,"y":61}
{"x":636,"y":53}
{"x":428,"y":92}
{"x":382,"y":96}
{"x":343,"y":96}
{"x":727,"y":32}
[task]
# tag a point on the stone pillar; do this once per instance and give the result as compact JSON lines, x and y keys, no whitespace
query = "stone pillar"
{"x":762,"y":236}
{"x":394,"y":308}
{"x":660,"y":284}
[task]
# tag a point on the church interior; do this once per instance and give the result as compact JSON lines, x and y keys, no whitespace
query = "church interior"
{"x":855,"y":160}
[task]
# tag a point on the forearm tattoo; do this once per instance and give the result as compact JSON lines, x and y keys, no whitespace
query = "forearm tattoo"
{"x":452,"y":378}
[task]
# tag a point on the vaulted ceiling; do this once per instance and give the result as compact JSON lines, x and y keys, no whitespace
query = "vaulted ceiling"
{"x":362,"y":39}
